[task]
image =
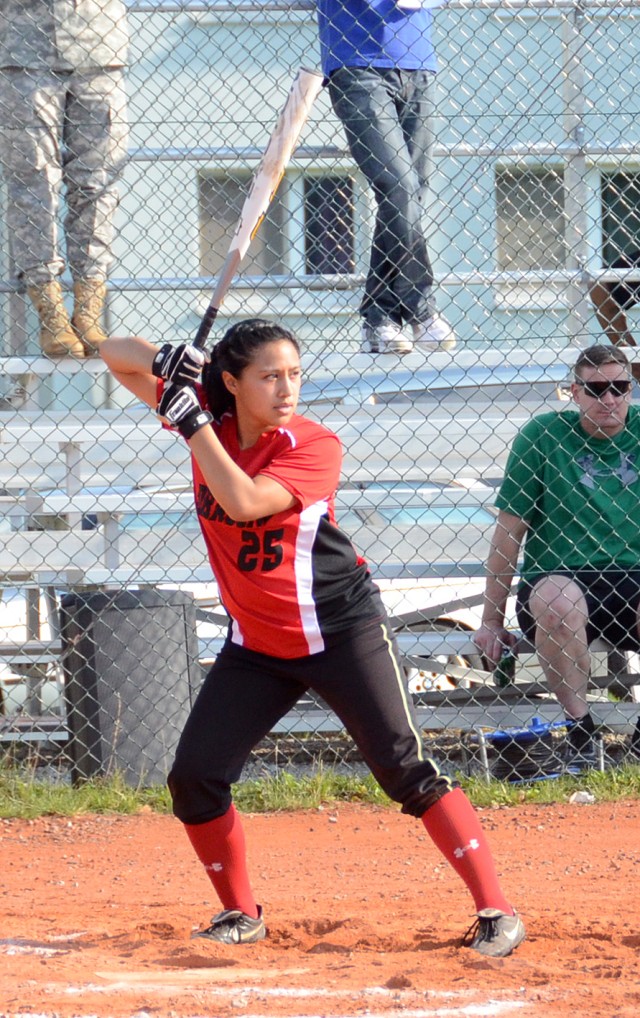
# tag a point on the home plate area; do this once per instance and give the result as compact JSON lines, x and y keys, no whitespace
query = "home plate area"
{"x":363,"y":917}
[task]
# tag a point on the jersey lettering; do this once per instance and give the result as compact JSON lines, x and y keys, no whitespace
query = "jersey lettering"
{"x":218,"y":515}
{"x":209,"y":509}
{"x":204,"y":502}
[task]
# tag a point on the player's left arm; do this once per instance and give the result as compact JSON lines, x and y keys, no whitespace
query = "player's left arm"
{"x":299,"y":475}
{"x":242,"y":497}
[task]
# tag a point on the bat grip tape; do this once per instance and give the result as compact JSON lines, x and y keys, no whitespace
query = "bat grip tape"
{"x":205,"y":326}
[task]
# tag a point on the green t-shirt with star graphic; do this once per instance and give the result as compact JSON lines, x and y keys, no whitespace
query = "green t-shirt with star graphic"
{"x":579,"y":495}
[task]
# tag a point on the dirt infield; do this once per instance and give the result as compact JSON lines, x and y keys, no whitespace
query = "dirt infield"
{"x":364,"y":918}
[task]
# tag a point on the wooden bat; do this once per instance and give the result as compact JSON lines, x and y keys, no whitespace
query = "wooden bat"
{"x":304,"y":90}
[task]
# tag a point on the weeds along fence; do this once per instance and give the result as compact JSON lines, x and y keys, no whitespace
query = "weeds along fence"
{"x":531,"y":212}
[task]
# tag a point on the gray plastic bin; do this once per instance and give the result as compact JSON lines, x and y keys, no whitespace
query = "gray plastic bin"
{"x":131,"y":671}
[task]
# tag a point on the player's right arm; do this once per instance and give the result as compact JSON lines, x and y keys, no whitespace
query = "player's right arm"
{"x":130,"y":361}
{"x":137,"y":364}
{"x":502,"y":562}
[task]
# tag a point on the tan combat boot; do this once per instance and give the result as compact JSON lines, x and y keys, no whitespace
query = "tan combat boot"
{"x":57,"y":338}
{"x":89,"y":297}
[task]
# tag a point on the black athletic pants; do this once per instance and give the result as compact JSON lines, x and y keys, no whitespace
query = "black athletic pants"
{"x":359,"y":676}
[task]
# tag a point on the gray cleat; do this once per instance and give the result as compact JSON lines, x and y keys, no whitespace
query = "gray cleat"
{"x":494,"y":933}
{"x":234,"y":927}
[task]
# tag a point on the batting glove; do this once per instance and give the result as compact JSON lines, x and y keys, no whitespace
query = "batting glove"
{"x":181,"y":365}
{"x":179,"y":408}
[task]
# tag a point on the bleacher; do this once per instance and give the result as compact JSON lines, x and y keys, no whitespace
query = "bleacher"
{"x":72,"y":480}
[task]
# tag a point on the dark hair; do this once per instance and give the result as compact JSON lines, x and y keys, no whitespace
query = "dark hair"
{"x":233,"y":353}
{"x":599,"y":354}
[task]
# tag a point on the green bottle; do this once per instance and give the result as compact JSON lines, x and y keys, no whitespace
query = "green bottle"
{"x":505,"y":671}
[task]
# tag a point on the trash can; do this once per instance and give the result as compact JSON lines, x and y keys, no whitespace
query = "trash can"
{"x":131,"y":670}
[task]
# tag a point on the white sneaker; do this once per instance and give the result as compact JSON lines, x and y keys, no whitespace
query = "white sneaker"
{"x":434,"y":334}
{"x":384,"y":338}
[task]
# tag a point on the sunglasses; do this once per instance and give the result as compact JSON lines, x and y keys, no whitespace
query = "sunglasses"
{"x":599,"y":389}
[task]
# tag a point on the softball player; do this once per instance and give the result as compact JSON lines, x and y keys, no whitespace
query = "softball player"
{"x":305,"y":614}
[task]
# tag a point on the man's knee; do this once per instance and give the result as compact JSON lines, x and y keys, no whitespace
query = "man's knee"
{"x":557,"y":604}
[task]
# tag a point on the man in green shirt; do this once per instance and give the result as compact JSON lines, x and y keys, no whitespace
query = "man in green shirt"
{"x":571,"y":492}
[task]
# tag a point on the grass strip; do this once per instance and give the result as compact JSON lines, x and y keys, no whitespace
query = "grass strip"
{"x":26,"y":795}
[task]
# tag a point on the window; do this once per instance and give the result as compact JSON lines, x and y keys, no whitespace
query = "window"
{"x":317,"y":208}
{"x":221,"y":195}
{"x":530,"y":219}
{"x":620,"y":194}
{"x":329,"y":224}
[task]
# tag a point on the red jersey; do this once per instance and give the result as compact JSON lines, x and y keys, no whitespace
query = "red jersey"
{"x":291,"y":579}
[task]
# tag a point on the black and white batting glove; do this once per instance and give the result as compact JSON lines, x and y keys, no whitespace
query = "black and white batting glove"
{"x":181,"y":365}
{"x":179,"y":408}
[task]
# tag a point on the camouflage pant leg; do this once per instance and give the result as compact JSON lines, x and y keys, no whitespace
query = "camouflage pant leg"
{"x":31,"y":117}
{"x":94,"y":153}
{"x":55,"y":128}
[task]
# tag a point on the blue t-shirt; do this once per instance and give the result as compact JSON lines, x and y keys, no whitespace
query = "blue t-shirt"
{"x":378,"y":33}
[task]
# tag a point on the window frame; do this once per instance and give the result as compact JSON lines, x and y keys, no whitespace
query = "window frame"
{"x":523,"y":295}
{"x":292,"y":189}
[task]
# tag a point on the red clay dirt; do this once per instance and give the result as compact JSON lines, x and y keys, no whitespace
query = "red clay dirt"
{"x":364,"y":918}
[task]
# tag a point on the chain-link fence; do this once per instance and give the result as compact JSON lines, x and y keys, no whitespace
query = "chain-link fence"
{"x":443,"y":244}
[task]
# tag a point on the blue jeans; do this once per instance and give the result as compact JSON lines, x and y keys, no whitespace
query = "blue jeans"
{"x":386,"y":117}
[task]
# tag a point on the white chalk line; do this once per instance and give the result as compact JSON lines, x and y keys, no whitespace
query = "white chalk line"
{"x":485,"y":1010}
{"x":237,"y":987}
{"x":367,"y":995}
{"x":11,"y":949}
{"x":15,"y":945}
{"x":489,"y":1009}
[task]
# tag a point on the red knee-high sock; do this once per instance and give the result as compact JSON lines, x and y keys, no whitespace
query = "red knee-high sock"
{"x":453,"y":825}
{"x":220,"y":847}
